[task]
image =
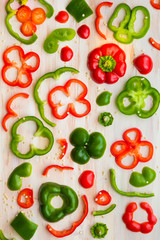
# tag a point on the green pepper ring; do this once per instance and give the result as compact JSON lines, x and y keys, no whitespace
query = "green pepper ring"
{"x":47,"y":192}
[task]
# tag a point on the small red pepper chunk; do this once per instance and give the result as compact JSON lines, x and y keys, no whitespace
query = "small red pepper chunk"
{"x":62,"y":17}
{"x":103,"y":198}
{"x":86,"y":179}
{"x":56,"y":166}
{"x":155,"y":4}
{"x":145,"y":227}
{"x":143,"y":63}
{"x":64,"y":233}
{"x":131,"y":147}
{"x":64,"y":146}
{"x":26,"y":193}
{"x":154,"y":43}
{"x":24,"y":70}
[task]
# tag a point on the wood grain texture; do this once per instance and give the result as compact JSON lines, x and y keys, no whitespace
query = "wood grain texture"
{"x":149,"y":128}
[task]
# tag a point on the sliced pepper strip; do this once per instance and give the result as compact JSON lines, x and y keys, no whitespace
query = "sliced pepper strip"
{"x":28,"y":194}
{"x":104,"y":212}
{"x":154,"y":4}
{"x":56,"y":166}
{"x":154,"y":43}
{"x":99,"y":17}
{"x":10,"y":111}
{"x":64,"y":146}
{"x":128,"y":194}
{"x":64,"y":233}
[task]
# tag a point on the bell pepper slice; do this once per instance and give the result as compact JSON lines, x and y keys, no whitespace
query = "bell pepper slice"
{"x":25,"y":69}
{"x":104,"y":212}
{"x":57,"y":167}
{"x":42,"y":131}
{"x":64,"y":146}
{"x":71,"y":108}
{"x":105,"y":119}
{"x":154,"y":43}
{"x":100,"y":16}
{"x":54,"y":75}
{"x":103,"y":198}
{"x":154,"y":4}
{"x":64,"y":233}
{"x":26,"y":193}
{"x":11,"y":13}
{"x":10,"y":111}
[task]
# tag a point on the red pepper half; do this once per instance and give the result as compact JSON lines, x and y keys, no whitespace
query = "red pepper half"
{"x":154,"y":43}
{"x":64,"y":233}
{"x":131,"y":147}
{"x":23,"y":70}
{"x":107,"y":63}
{"x":11,"y":113}
{"x":145,"y":227}
{"x":64,"y":146}
{"x":26,"y":193}
{"x":70,"y":108}
{"x":56,"y":166}
{"x":103,"y":198}
{"x":99,"y":17}
{"x":154,"y":4}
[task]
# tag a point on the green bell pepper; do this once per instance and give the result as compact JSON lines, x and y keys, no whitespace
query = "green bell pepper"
{"x":103,"y":98}
{"x":125,"y":32}
{"x":42,"y":131}
{"x":11,"y":13}
{"x":14,"y":180}
{"x":136,"y":91}
{"x":23,"y":226}
{"x":54,"y":75}
{"x":86,"y":146}
{"x":105,"y":119}
{"x":51,"y":43}
{"x":79,"y":10}
{"x":99,"y":230}
{"x":143,"y":179}
{"x":47,"y":192}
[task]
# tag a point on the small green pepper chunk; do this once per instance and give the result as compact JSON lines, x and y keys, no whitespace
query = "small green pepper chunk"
{"x":14,"y":180}
{"x":47,"y":192}
{"x":105,"y":119}
{"x":103,"y":99}
{"x":86,"y":146}
{"x":99,"y":230}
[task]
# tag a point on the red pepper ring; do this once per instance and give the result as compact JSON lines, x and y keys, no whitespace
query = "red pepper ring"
{"x":10,"y":111}
{"x":103,"y":198}
{"x":121,"y":157}
{"x":27,"y":193}
{"x":137,"y":138}
{"x":145,"y":227}
{"x":64,"y":146}
{"x":154,"y":43}
{"x":154,"y":4}
{"x":150,"y":151}
{"x":122,"y":145}
{"x":64,"y":233}
{"x":25,"y":69}
{"x":56,"y":166}
{"x":71,"y":108}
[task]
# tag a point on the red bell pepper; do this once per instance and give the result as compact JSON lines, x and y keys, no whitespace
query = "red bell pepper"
{"x":11,"y":113}
{"x":107,"y":63}
{"x":26,"y":193}
{"x":145,"y":227}
{"x":64,"y":233}
{"x":131,"y":147}
{"x":103,"y":198}
{"x":64,"y":146}
{"x":71,"y":108}
{"x":24,"y":69}
{"x":56,"y":166}
{"x":154,"y":43}
{"x":155,"y":4}
{"x":99,"y":17}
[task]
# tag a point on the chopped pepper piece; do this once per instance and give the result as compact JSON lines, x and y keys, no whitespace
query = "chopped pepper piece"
{"x":64,"y":146}
{"x":154,"y":43}
{"x":103,"y":198}
{"x":99,"y":230}
{"x":104,"y":212}
{"x":103,"y":98}
{"x":27,"y":193}
{"x":57,"y":167}
{"x":155,"y":4}
{"x":105,"y":119}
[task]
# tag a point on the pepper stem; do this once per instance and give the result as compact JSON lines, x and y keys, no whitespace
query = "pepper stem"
{"x":107,"y":63}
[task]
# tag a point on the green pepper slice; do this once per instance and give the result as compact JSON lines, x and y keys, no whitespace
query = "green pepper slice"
{"x":42,"y":131}
{"x":99,"y":230}
{"x":105,"y":119}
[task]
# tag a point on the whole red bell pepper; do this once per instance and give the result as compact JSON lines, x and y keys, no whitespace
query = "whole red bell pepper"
{"x":24,"y":70}
{"x":107,"y":63}
{"x":70,"y":108}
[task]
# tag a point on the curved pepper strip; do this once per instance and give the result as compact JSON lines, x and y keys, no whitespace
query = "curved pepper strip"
{"x":57,"y":167}
{"x":11,"y":13}
{"x":104,"y":212}
{"x":154,"y":4}
{"x":42,"y":131}
{"x":145,"y":227}
{"x":64,"y":146}
{"x":137,"y":89}
{"x":64,"y":233}
{"x":25,"y":69}
{"x":132,"y":148}
{"x":10,"y":111}
{"x":99,"y":17}
{"x":154,"y":43}
{"x":71,"y":108}
{"x":54,"y":75}
{"x":27,"y":193}
{"x":128,"y":194}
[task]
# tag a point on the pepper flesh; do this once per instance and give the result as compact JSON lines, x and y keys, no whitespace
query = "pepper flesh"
{"x":27,"y":193}
{"x":57,"y":167}
{"x":154,"y":43}
{"x":104,"y":212}
{"x":103,"y":198}
{"x":64,"y":146}
{"x":154,"y":4}
{"x":105,"y":119}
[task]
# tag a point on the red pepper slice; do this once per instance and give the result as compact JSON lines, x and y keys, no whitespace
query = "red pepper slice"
{"x":27,"y":193}
{"x":71,"y":108}
{"x":99,"y":17}
{"x":64,"y":233}
{"x":10,"y":111}
{"x":131,"y":147}
{"x":155,"y":5}
{"x":25,"y":69}
{"x":154,"y":43}
{"x":64,"y":146}
{"x":56,"y":166}
{"x":103,"y":198}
